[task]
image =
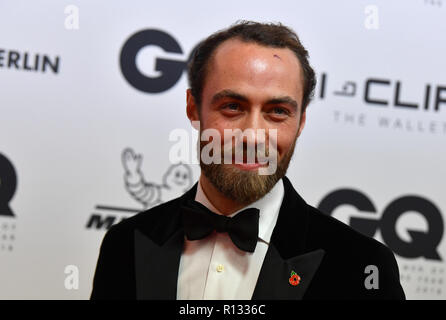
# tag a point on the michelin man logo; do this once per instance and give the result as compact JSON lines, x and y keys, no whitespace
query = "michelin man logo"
{"x":176,"y":181}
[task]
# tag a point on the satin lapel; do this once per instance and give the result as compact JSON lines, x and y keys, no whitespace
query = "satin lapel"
{"x":157,"y":254}
{"x":288,"y":252}
{"x":274,"y":276}
{"x":156,"y":267}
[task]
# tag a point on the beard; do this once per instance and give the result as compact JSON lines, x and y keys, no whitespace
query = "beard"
{"x":244,"y":186}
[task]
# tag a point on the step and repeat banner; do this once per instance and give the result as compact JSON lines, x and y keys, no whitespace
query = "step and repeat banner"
{"x":93,"y":90}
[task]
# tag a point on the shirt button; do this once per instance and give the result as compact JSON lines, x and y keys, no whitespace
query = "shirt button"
{"x":220,"y":268}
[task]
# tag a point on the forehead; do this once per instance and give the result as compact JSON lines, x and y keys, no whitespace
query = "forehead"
{"x":236,"y":64}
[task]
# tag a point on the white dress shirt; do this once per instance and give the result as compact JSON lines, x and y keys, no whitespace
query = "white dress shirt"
{"x":213,"y":268}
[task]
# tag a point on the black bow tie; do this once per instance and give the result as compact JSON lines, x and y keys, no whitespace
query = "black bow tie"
{"x":199,"y":222}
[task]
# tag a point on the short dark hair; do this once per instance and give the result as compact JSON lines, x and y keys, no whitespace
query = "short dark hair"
{"x":266,"y":34}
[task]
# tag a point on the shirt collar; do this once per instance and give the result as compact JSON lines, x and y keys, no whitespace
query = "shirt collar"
{"x":269,"y":206}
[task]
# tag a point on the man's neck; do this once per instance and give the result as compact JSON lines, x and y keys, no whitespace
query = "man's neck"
{"x":223,"y":204}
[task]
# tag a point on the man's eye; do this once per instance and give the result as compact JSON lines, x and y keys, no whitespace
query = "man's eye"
{"x":231,"y":106}
{"x":280,"y":111}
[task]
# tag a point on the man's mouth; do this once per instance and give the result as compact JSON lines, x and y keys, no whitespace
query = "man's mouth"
{"x":249,"y":165}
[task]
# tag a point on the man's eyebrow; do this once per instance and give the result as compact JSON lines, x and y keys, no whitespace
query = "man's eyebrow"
{"x":228,"y":94}
{"x":285,"y":99}
{"x":237,"y":96}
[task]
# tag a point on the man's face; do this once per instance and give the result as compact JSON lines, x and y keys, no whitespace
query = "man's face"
{"x":249,"y":86}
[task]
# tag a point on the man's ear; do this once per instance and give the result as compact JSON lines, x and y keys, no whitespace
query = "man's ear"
{"x":191,"y":108}
{"x":303,"y":119}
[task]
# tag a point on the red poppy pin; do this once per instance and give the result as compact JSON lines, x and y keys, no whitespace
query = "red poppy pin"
{"x":294,"y":279}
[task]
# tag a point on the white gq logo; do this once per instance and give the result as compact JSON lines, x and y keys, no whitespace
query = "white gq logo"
{"x":72,"y":20}
{"x":371,"y":17}
{"x":72,"y":278}
{"x":372,"y":280}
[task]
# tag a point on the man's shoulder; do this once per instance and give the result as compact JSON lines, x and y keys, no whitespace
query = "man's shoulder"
{"x":327,"y":232}
{"x":350,"y":257}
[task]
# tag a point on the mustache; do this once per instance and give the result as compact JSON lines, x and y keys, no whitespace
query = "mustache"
{"x":243,"y":150}
{"x":220,"y":152}
{"x":252,"y":153}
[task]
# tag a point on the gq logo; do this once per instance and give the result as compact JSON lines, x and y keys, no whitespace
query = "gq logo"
{"x":167,"y":70}
{"x":8,"y":183}
{"x":423,"y":244}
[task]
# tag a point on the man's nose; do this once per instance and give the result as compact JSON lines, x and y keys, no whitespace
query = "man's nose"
{"x":254,"y":128}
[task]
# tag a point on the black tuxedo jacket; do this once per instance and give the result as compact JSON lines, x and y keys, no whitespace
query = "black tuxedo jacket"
{"x":139,"y":257}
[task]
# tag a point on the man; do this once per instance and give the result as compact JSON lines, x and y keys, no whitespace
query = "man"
{"x":239,"y":234}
